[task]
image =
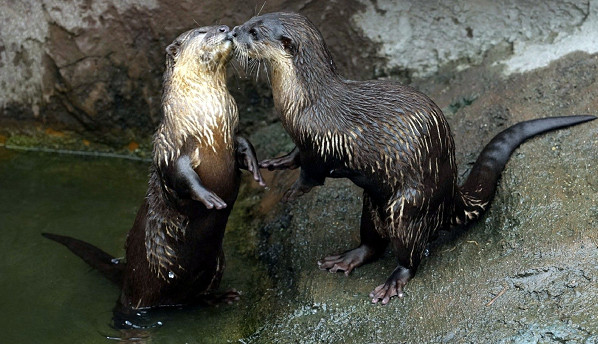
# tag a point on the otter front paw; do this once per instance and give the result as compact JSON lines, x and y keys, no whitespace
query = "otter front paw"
{"x":209,"y":199}
{"x":281,"y":163}
{"x":254,"y":168}
{"x":247,"y":159}
{"x":290,"y":161}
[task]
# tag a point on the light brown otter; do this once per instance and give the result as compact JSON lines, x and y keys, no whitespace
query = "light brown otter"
{"x":174,"y":250}
{"x":389,"y":139}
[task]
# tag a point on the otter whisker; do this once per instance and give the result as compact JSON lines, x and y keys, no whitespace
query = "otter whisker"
{"x":233,"y":66}
{"x":251,"y":67}
{"x":246,"y":61}
{"x":268,"y":76}
{"x":257,"y":73}
{"x":241,"y":57}
{"x":260,"y":11}
{"x":236,"y":57}
{"x":254,"y":68}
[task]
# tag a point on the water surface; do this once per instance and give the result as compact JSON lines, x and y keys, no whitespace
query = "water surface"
{"x":48,"y":294}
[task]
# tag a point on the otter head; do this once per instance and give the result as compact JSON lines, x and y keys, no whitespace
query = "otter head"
{"x":202,"y":49}
{"x":280,"y":38}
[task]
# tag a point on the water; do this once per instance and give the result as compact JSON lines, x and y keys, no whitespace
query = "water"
{"x":48,"y":295}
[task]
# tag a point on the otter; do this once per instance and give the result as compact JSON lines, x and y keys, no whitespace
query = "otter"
{"x":389,"y":139}
{"x":174,"y":252}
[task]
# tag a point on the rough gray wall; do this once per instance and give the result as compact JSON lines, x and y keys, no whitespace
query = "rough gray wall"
{"x":421,"y":36}
{"x":50,"y":48}
{"x":96,"y":64}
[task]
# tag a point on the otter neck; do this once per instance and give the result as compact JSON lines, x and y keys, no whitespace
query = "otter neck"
{"x":188,"y":81}
{"x":303,"y":87}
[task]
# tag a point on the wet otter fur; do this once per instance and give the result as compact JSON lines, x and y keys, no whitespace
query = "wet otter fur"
{"x":389,"y":139}
{"x":174,"y":250}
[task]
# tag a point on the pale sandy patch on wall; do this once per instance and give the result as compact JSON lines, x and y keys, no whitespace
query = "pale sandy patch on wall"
{"x":421,"y":36}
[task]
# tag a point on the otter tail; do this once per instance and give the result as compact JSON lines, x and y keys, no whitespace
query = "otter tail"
{"x":96,"y":258}
{"x":478,"y":190}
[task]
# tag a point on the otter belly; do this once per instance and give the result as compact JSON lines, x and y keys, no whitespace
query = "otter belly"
{"x":220,"y":174}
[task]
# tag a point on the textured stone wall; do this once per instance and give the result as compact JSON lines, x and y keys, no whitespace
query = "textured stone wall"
{"x":422,"y":36}
{"x":96,"y":65}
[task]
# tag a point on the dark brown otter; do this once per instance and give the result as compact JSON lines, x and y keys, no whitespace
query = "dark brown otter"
{"x":389,"y":139}
{"x":174,"y":250}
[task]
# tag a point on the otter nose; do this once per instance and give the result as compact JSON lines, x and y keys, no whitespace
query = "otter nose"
{"x":234,"y":32}
{"x":223,"y":28}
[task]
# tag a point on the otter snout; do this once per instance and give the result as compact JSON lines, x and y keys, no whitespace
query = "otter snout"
{"x":233,"y":33}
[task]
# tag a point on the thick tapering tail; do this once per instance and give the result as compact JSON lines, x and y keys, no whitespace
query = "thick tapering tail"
{"x":478,"y":190}
{"x":95,"y":257}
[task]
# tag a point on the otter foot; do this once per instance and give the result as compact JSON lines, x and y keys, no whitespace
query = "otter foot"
{"x":347,"y":261}
{"x":393,"y":286}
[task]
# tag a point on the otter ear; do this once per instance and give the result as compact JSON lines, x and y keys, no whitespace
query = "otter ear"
{"x":289,"y":45}
{"x":173,"y":49}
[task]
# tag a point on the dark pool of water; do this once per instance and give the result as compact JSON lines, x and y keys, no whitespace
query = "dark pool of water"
{"x":51,"y":296}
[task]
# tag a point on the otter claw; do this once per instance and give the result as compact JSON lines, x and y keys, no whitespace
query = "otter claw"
{"x":254,"y":168}
{"x":393,"y":286}
{"x":257,"y":175}
{"x":386,"y":291}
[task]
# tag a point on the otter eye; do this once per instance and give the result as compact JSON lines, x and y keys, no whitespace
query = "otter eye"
{"x":253,"y":32}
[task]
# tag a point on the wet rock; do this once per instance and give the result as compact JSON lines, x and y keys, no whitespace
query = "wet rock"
{"x":526,"y":272}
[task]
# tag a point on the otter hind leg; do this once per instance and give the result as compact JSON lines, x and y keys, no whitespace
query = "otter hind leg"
{"x":371,"y":247}
{"x":405,"y":270}
{"x":411,"y":224}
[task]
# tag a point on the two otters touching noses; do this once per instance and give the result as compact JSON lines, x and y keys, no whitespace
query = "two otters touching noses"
{"x":389,"y":139}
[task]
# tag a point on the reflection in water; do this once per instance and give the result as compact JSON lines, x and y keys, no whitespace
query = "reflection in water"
{"x":132,"y":336}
